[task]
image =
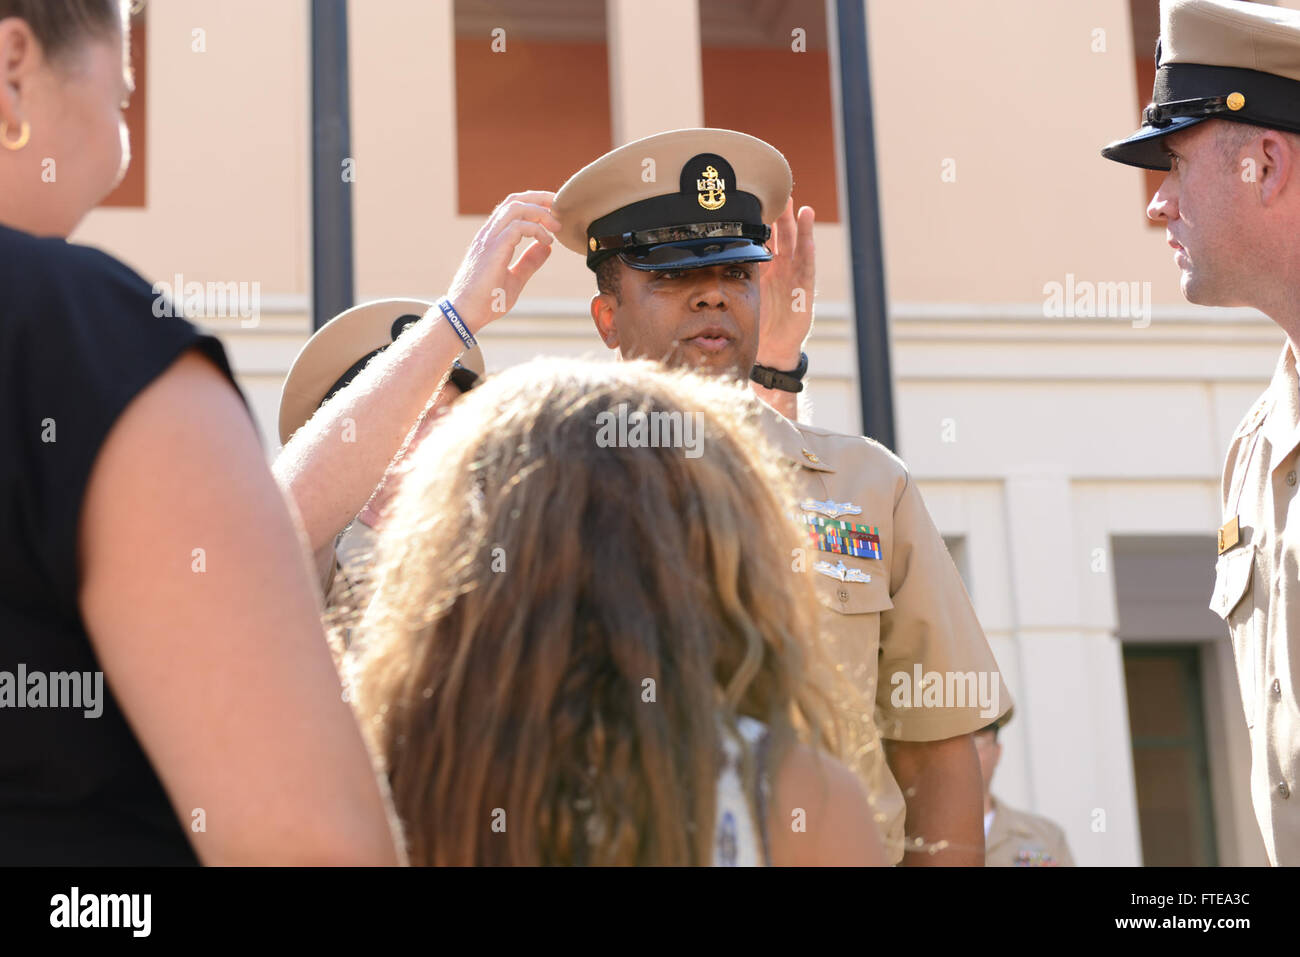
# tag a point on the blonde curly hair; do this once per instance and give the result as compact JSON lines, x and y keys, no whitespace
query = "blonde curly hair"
{"x":562,"y":628}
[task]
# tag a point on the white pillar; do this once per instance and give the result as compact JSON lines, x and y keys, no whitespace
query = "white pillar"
{"x":655,"y":78}
{"x":1071,"y":702}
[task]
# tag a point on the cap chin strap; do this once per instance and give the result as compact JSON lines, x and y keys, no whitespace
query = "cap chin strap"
{"x":675,"y":234}
{"x":1163,"y":114}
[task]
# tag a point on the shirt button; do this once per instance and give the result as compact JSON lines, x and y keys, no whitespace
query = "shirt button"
{"x":1290,"y":478}
{"x":1277,"y":688}
{"x":842,"y":594}
{"x":1283,"y":790}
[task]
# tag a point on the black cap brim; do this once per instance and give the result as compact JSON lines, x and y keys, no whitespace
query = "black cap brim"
{"x":695,"y":254}
{"x":1143,"y":149}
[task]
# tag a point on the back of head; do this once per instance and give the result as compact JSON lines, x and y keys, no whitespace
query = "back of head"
{"x":587,"y":566}
{"x":62,"y":25}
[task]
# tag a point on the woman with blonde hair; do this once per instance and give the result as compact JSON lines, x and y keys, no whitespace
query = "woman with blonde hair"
{"x":587,"y":644}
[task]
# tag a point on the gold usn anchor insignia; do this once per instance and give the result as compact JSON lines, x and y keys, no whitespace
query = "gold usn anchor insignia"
{"x":711,"y":189}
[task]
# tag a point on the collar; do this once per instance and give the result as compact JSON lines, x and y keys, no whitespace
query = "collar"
{"x":1004,"y":826}
{"x":1282,"y":415}
{"x":787,"y":439}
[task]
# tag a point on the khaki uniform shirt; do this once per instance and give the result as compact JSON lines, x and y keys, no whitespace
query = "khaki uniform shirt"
{"x":1257,"y":592}
{"x":1020,"y":839}
{"x":911,"y":619}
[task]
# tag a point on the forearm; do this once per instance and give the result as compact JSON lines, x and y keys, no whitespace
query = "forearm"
{"x":787,"y":403}
{"x":943,"y":786}
{"x":330,"y":467}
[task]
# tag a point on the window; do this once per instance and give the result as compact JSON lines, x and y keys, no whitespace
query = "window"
{"x":532,"y":95}
{"x":1170,"y":759}
{"x":756,"y":82}
{"x":1169,"y":638}
{"x":131,"y":191}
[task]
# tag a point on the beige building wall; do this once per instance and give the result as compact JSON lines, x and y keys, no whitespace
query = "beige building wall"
{"x":229,"y":189}
{"x":1035,"y":439}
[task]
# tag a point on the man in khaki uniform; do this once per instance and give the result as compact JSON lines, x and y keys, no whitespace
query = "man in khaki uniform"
{"x":1014,"y":838}
{"x":1225,"y":122}
{"x":675,"y":257}
{"x":356,"y":480}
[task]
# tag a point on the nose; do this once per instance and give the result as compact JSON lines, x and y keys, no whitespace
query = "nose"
{"x":710,"y":291}
{"x":1164,"y":204}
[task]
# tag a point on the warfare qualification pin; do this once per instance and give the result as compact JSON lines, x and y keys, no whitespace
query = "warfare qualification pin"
{"x":831,"y":509}
{"x":842,"y":572}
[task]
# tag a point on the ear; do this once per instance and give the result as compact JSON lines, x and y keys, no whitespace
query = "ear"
{"x":20,"y":56}
{"x":1277,"y":165}
{"x":602,"y":314}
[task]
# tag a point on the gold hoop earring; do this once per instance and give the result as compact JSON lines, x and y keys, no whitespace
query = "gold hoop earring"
{"x":24,"y":135}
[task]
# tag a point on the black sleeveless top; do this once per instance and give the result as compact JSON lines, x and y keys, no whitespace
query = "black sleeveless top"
{"x":79,"y":338}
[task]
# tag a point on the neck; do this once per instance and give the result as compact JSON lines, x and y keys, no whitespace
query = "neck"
{"x":1279,"y":299}
{"x":1288,"y":317}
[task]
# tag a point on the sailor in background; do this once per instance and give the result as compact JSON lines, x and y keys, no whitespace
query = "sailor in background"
{"x":1014,"y":838}
{"x":347,"y":487}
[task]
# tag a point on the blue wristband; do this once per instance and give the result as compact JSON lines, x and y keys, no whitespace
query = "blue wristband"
{"x":457,"y":323}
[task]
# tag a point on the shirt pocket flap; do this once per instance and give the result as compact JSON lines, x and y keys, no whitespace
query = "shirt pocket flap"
{"x":1232,"y":578}
{"x":855,"y":597}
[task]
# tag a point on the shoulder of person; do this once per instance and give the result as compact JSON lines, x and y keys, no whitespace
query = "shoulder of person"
{"x":838,"y":827}
{"x":47,"y":279}
{"x":1263,"y":405}
{"x":1255,"y":415}
{"x":842,"y":451}
{"x":43,"y":259}
{"x":1028,"y":821}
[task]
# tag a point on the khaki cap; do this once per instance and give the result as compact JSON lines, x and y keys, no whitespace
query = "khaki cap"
{"x":1217,"y":58}
{"x":341,"y":348}
{"x":681,"y":199}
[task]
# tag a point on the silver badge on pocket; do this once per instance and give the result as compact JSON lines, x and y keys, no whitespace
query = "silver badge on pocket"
{"x":841,"y":572}
{"x":831,"y":509}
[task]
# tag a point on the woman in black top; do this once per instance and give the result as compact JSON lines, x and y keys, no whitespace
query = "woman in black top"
{"x":166,"y":694}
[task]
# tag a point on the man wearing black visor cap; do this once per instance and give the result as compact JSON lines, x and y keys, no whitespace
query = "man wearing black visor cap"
{"x":1225,"y":122}
{"x":1216,"y":59}
{"x":695,"y":200}
{"x":675,"y":226}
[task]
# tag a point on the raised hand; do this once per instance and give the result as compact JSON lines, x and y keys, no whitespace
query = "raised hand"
{"x":786,"y":287}
{"x":486,"y":286}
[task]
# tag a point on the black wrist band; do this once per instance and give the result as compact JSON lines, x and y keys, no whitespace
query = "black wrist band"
{"x":791,"y":381}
